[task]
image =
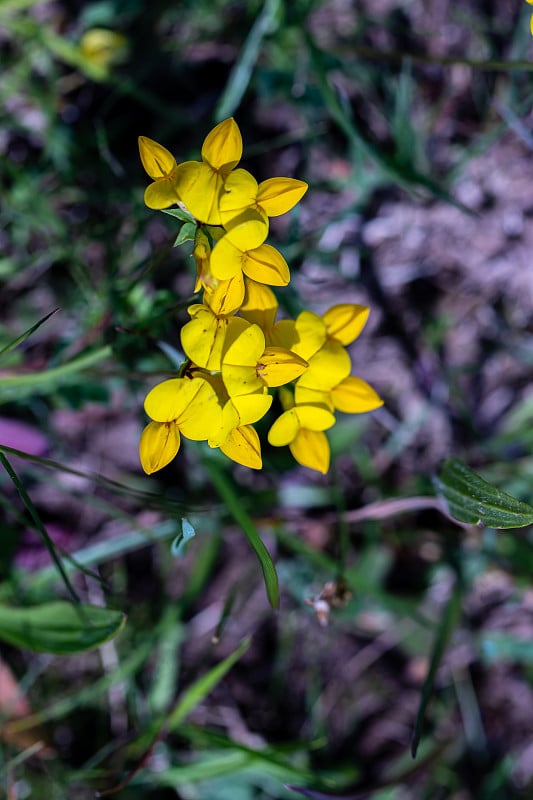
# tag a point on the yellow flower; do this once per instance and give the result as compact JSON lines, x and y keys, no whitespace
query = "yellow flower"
{"x":242,"y":250}
{"x":352,"y":395}
{"x":101,"y":48}
{"x":177,"y":406}
{"x":160,"y":165}
{"x":249,"y":366}
{"x":270,"y":198}
{"x":244,"y":447}
{"x":321,"y":341}
{"x":260,"y":306}
{"x":301,"y":427}
{"x":200,"y":182}
{"x":203,"y":337}
{"x":237,"y":439}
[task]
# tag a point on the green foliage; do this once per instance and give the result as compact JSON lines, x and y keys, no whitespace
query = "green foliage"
{"x":205,"y":691}
{"x":472,"y":499}
{"x":61,"y":628}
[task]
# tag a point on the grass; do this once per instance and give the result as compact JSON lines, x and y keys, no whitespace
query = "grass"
{"x":405,"y":126}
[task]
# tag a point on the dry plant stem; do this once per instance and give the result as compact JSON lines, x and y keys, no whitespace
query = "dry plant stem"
{"x":382,"y":509}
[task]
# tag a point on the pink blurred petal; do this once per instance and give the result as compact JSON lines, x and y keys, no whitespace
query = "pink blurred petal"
{"x":22,"y":436}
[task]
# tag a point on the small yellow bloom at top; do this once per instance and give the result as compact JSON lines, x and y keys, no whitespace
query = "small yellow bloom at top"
{"x":200,"y":182}
{"x":160,"y":165}
{"x":100,"y":49}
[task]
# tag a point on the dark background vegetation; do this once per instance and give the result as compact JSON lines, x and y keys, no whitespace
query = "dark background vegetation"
{"x":415,"y":136}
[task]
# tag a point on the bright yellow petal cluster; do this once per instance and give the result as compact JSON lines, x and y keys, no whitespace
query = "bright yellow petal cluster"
{"x":236,"y":349}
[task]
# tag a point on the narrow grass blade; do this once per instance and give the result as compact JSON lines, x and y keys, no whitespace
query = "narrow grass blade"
{"x":32,"y":511}
{"x":11,"y":345}
{"x":470,"y":498}
{"x":241,"y":74}
{"x":203,"y":686}
{"x":404,"y":175}
{"x":48,"y":380}
{"x":59,"y":628}
{"x":88,"y":694}
{"x":233,"y":503}
{"x":447,"y":625}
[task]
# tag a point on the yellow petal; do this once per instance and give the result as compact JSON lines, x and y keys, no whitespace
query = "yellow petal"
{"x":265,"y":264}
{"x":279,"y":195}
{"x":345,"y":321}
{"x":243,"y":446}
{"x":284,"y":334}
{"x":259,"y":306}
{"x":229,"y":419}
{"x":240,"y":192}
{"x":159,"y":444}
{"x":247,"y":347}
{"x":311,"y":334}
{"x":156,"y":159}
{"x":199,"y":188}
{"x":284,"y":429}
{"x":226,"y":260}
{"x":251,"y":407}
{"x":278,"y":366}
{"x":227,"y":296}
{"x":203,"y":415}
{"x":247,"y":231}
{"x":354,"y":396}
{"x":203,"y":338}
{"x":240,"y":380}
{"x":315,"y":418}
{"x":286,"y":398}
{"x":303,"y":395}
{"x":327,"y":368}
{"x":222,"y":147}
{"x":311,"y":449}
{"x":172,"y":400}
{"x":161,"y":194}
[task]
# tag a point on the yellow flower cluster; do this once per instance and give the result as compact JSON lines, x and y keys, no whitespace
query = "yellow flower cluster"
{"x":236,"y":350}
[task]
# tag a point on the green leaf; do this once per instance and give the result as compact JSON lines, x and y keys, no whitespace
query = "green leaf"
{"x":60,"y":627}
{"x":186,"y":234}
{"x":177,"y":547}
{"x":179,"y":213}
{"x":470,"y":498}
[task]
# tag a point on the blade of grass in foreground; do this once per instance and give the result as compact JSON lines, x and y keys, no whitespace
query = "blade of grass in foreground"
{"x":11,"y":345}
{"x":18,"y":386}
{"x":186,"y":703}
{"x":241,"y":74}
{"x":32,"y":511}
{"x":230,"y":498}
{"x":447,"y":625}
